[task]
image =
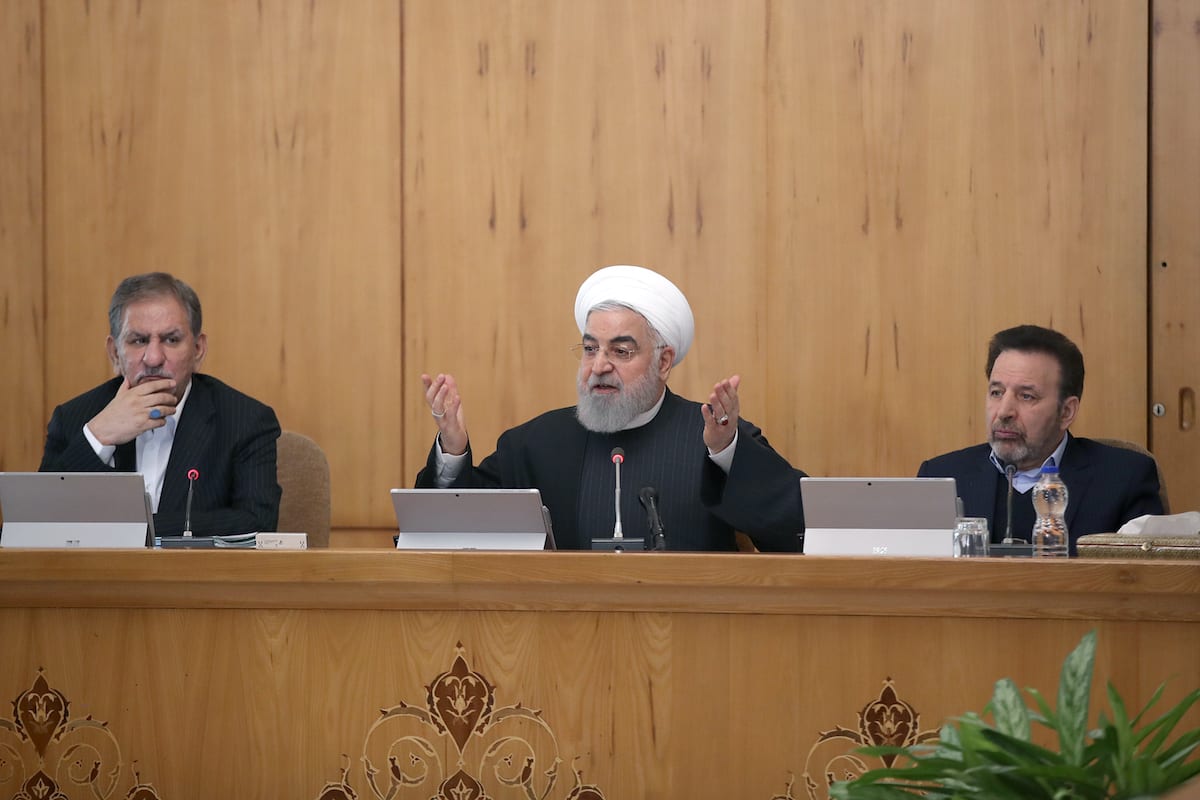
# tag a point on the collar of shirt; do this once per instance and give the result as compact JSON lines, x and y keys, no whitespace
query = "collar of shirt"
{"x":1024,"y":481}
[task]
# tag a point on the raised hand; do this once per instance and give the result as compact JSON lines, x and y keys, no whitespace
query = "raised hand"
{"x":721,"y":414}
{"x":134,"y":410}
{"x":445,"y":404}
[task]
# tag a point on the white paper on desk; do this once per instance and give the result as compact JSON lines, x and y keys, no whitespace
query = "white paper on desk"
{"x":235,"y":540}
{"x":1186,"y":524}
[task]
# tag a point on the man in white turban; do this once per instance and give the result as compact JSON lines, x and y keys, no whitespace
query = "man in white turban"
{"x":714,"y":473}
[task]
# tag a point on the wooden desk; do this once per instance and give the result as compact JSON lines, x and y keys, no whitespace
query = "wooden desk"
{"x":282,"y":674}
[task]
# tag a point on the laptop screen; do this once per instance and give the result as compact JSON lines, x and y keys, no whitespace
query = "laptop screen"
{"x":471,"y":519}
{"x":75,"y":509}
{"x":879,"y":516}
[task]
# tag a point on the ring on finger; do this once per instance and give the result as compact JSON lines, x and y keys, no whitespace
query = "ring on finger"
{"x":436,"y":415}
{"x":724,"y":420}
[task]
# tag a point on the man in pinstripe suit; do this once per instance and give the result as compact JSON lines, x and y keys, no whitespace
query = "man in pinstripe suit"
{"x":161,"y":418}
{"x":715,"y":473}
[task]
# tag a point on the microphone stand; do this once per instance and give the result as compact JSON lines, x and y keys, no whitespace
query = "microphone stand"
{"x":1010,"y":470}
{"x":187,"y":539}
{"x":649,"y":499}
{"x":618,"y":458}
{"x":618,"y":543}
{"x":187,"y":514}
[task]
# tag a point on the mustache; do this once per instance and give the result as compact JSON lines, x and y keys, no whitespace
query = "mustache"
{"x":152,"y":373}
{"x":601,"y":380}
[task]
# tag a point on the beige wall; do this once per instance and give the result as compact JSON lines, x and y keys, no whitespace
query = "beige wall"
{"x":854,"y":196}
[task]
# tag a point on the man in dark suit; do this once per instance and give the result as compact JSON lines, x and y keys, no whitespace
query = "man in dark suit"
{"x":1035,"y":381}
{"x":163,"y":419}
{"x":715,"y":473}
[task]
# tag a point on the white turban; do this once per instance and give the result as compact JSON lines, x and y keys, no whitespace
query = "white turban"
{"x":646,"y":292}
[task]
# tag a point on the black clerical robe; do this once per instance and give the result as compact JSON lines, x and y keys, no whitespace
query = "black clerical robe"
{"x":701,"y":506}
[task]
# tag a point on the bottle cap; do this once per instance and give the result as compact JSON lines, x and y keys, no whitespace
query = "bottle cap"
{"x":1050,"y":469}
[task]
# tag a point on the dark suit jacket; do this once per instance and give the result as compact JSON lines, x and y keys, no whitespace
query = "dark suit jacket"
{"x":225,"y":435}
{"x":1106,"y":486}
{"x":701,"y":507}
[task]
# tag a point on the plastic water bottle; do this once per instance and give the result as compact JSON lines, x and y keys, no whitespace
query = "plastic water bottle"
{"x":1050,"y":502}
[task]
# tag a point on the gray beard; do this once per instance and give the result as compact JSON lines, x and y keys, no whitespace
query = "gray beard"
{"x":1016,"y":454}
{"x":612,"y":413}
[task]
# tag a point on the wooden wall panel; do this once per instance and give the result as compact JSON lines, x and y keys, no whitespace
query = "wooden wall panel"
{"x":939,"y":171}
{"x":253,"y":149}
{"x":545,"y":140}
{"x":22,"y":313}
{"x":1175,"y":246}
{"x":854,"y":196}
{"x":921,"y":182}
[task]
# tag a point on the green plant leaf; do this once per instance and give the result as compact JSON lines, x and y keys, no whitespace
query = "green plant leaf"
{"x":1023,"y":751}
{"x":1149,"y":704}
{"x":1045,"y":714}
{"x":974,"y":759}
{"x":1163,"y":726}
{"x":1074,"y":688}
{"x":1009,"y":710}
{"x":1119,"y":733}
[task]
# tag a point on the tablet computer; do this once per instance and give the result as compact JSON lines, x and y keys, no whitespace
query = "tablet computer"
{"x":75,"y":509}
{"x":471,"y":519}
{"x":879,"y":516}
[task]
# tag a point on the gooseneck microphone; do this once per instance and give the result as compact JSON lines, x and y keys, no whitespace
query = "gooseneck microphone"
{"x":618,"y":458}
{"x":193,"y":475}
{"x":1010,"y":470}
{"x":649,"y":499}
{"x":618,"y":542}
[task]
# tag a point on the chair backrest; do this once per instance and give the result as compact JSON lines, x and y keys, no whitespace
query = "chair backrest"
{"x":1137,"y":448}
{"x":303,"y":474}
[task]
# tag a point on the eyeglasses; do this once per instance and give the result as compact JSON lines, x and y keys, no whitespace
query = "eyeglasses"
{"x":617,"y":353}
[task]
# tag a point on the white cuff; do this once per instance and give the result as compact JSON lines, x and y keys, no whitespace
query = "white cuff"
{"x":104,"y":452}
{"x":724,"y":459}
{"x":448,"y":466}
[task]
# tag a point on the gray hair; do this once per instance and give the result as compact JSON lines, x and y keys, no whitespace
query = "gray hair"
{"x":152,"y":284}
{"x":613,"y":305}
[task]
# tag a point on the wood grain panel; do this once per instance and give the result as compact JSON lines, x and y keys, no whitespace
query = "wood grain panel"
{"x":546,"y":140}
{"x":254,"y":150}
{"x":22,"y":256}
{"x":646,"y":702}
{"x":939,"y":171}
{"x":718,"y":583}
{"x":854,"y":196}
{"x":1175,"y":246}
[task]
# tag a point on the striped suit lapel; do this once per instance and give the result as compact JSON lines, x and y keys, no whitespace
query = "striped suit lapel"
{"x":191,"y":446}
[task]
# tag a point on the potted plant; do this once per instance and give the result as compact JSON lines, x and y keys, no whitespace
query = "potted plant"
{"x":1122,"y":758}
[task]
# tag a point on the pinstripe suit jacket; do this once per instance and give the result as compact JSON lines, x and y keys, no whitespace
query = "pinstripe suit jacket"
{"x":226,"y":435}
{"x":701,"y":506}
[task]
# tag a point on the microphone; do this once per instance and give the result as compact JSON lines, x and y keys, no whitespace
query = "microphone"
{"x":649,"y":498}
{"x":618,"y":458}
{"x":619,"y":542}
{"x":193,"y":475}
{"x":1010,"y":469}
